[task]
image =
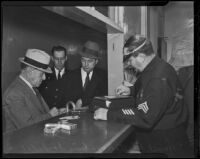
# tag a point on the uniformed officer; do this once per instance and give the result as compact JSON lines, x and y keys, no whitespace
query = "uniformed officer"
{"x":53,"y":88}
{"x":157,"y":113}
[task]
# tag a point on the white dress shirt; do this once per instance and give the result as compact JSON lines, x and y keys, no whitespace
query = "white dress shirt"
{"x":61,"y":72}
{"x":84,"y":74}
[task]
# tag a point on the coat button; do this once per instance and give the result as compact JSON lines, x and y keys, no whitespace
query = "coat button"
{"x":55,"y":96}
{"x":46,"y":87}
{"x":56,"y":89}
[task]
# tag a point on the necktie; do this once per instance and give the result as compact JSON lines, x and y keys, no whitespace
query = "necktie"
{"x":59,"y":76}
{"x":87,"y":80}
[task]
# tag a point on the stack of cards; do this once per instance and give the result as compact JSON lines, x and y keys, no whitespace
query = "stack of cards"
{"x":52,"y":128}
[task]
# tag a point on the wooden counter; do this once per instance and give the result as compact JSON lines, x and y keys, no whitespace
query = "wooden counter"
{"x":90,"y":136}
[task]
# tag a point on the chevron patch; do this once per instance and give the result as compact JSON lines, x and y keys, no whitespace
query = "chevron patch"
{"x":144,"y":107}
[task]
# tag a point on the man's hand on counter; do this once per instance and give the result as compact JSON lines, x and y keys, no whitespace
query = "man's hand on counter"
{"x":54,"y":112}
{"x":123,"y":90}
{"x":79,"y":104}
{"x":100,"y":113}
{"x":62,"y":110}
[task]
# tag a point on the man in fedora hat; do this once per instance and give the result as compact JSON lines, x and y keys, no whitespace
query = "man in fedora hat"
{"x":88,"y":81}
{"x":22,"y":103}
{"x":158,"y":113}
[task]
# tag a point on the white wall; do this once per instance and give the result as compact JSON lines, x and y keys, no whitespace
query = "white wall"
{"x":176,"y":14}
{"x":115,"y":61}
{"x":155,"y":24}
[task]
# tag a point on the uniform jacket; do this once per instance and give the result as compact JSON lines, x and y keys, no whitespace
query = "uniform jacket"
{"x":21,"y":107}
{"x":53,"y":89}
{"x":96,"y":87}
{"x":157,"y":106}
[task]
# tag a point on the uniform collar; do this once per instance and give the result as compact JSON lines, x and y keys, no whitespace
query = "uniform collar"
{"x":151,"y":64}
{"x":61,"y":72}
{"x":84,"y":74}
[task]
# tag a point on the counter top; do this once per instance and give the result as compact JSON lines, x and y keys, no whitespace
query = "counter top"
{"x":90,"y":136}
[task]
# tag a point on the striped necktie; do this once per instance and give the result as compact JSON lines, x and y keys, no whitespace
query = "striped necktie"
{"x":59,"y":76}
{"x":87,"y":80}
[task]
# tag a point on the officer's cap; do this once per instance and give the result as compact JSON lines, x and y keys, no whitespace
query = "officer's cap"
{"x":137,"y":44}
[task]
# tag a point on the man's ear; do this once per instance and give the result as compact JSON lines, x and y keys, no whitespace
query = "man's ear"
{"x":97,"y":61}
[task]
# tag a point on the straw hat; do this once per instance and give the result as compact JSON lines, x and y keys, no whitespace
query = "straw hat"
{"x":37,"y":59}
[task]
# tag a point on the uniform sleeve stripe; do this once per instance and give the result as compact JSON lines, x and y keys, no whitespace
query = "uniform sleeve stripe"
{"x":129,"y":113}
{"x":126,"y":111}
{"x":123,"y":111}
{"x":132,"y":112}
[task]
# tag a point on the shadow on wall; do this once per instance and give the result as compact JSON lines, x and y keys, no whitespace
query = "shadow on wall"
{"x":36,"y":27}
{"x":6,"y":79}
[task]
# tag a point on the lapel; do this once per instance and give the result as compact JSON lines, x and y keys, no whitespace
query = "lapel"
{"x":65,"y":73}
{"x":53,"y":75}
{"x":93,"y":82}
{"x":32,"y":98}
{"x":79,"y":77}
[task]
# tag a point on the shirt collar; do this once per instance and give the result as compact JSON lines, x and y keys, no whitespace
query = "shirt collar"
{"x":61,"y":72}
{"x":151,"y":64}
{"x":27,"y":82}
{"x":84,"y":74}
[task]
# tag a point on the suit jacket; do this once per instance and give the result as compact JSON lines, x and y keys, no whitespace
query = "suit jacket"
{"x":21,"y":107}
{"x":97,"y":86}
{"x":53,"y":90}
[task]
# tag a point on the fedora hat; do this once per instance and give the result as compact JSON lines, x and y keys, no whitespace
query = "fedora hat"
{"x":91,"y":50}
{"x":37,"y":59}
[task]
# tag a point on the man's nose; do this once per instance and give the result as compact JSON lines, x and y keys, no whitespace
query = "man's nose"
{"x":59,"y":61}
{"x":86,"y":63}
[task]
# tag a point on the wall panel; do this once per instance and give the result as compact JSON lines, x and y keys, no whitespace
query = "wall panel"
{"x":35,"y":27}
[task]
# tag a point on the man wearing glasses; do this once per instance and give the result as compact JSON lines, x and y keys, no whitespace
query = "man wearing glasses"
{"x":158,"y":113}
